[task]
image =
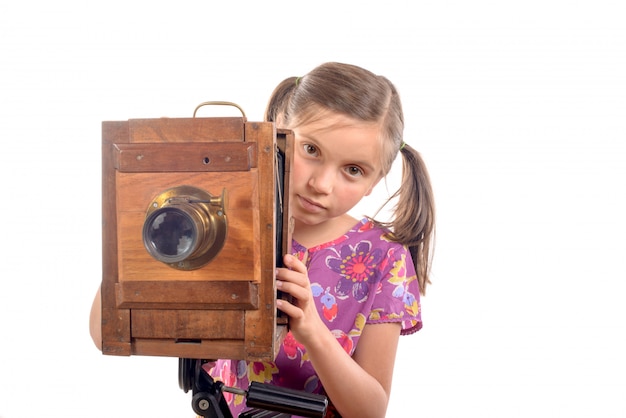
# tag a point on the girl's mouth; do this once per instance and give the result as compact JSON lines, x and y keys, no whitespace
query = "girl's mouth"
{"x":310,"y":205}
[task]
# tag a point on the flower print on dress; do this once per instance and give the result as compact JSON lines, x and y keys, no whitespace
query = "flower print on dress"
{"x":329,"y":303}
{"x":261,"y":371}
{"x":365,"y":226}
{"x":346,"y":340}
{"x":411,"y":304}
{"x":359,"y":324}
{"x":229,"y":379}
{"x":313,"y":384}
{"x":398,"y":277}
{"x":241,"y":369}
{"x":375,"y":314}
{"x":292,"y":347}
{"x":358,"y":267}
{"x":301,"y":254}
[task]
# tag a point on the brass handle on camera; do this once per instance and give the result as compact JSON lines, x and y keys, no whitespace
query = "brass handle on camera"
{"x":219,"y":103}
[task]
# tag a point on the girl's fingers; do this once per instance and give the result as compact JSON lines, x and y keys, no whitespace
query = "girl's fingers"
{"x":291,"y":276}
{"x":294,"y":289}
{"x":294,"y":272}
{"x":293,"y":263}
{"x":288,"y":308}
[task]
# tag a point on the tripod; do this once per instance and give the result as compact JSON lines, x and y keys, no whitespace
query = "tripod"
{"x":267,"y":401}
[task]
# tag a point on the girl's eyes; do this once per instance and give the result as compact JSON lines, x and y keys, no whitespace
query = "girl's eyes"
{"x":354,"y":171}
{"x":310,"y":149}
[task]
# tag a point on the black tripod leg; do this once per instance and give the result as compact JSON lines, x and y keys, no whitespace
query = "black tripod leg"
{"x":207,"y":400}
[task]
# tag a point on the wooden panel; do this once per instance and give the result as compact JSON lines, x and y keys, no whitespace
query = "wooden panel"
{"x":188,"y":324}
{"x":185,"y":130}
{"x":238,"y":260}
{"x":205,"y":349}
{"x":115,"y":329}
{"x":137,"y":190}
{"x":185,"y":157}
{"x":280,"y":334}
{"x":187,"y":295}
{"x":116,"y":338}
{"x":261,"y":324}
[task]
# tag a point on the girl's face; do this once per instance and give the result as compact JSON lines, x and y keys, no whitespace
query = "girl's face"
{"x":336,"y":163}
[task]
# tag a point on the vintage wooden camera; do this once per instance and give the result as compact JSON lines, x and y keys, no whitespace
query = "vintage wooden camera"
{"x":195,"y":222}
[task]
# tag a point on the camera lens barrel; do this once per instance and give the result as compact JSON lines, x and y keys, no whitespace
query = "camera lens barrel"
{"x":185,"y":227}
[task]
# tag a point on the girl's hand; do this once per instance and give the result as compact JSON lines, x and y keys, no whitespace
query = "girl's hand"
{"x":305,"y":322}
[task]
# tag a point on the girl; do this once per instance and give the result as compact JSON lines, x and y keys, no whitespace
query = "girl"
{"x":355,"y":284}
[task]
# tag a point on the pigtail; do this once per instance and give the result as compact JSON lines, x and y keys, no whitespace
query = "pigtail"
{"x":413,"y":221}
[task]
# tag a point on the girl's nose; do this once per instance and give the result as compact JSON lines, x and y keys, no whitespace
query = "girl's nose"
{"x":322,"y":181}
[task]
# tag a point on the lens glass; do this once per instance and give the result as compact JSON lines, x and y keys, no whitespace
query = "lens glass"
{"x":172,"y":233}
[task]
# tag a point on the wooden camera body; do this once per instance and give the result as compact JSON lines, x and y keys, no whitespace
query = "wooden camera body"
{"x":205,"y":290}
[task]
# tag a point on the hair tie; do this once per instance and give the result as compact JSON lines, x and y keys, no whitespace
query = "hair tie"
{"x":402,"y":145}
{"x":297,"y":81}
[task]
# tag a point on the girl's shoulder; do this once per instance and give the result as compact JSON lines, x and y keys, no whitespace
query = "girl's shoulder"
{"x":368,"y":229}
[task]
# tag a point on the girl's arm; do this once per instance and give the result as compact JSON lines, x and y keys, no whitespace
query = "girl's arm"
{"x":95,"y":320}
{"x":358,"y":386}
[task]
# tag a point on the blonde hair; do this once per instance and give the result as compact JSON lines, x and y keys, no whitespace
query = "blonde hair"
{"x":360,"y":94}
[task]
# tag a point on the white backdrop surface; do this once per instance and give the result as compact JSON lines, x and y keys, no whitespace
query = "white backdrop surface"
{"x":519,"y":109}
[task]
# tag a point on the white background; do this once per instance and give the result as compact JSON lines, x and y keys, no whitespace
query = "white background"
{"x":519,"y":109}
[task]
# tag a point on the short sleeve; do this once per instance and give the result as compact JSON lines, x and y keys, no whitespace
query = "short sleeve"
{"x":397,"y":298}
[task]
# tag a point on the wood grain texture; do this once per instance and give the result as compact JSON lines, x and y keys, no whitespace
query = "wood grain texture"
{"x":225,"y":309}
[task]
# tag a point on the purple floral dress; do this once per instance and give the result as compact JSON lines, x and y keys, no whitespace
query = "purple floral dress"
{"x":357,"y":279}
